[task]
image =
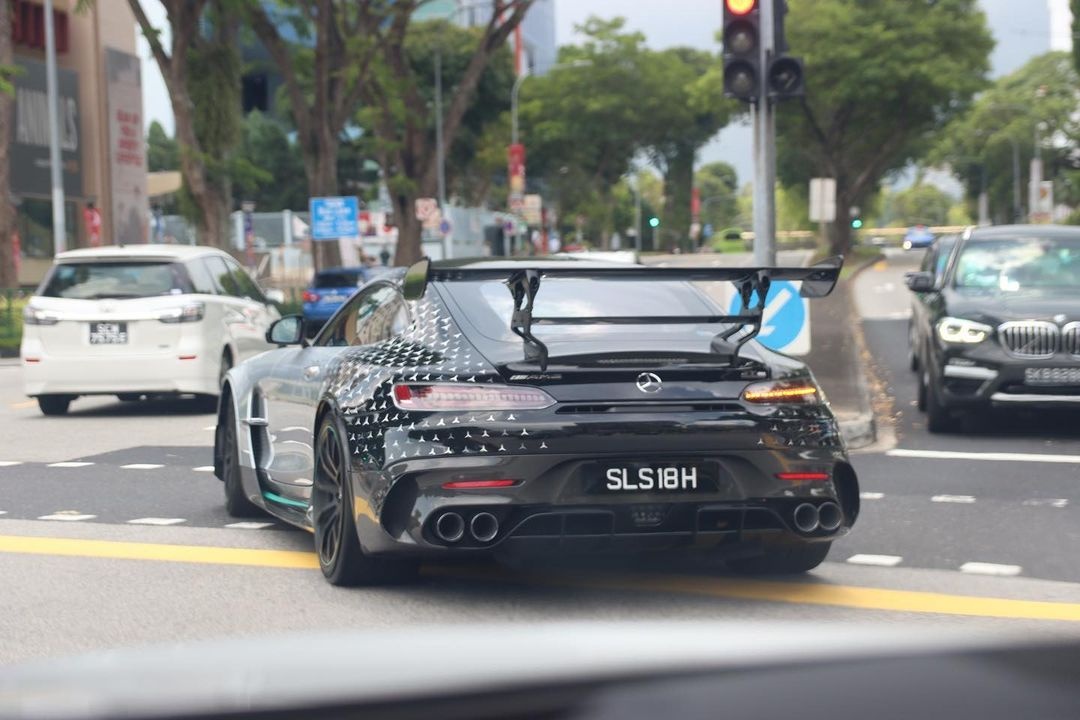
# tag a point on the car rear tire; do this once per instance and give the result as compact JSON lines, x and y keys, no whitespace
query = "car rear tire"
{"x":341,"y":557}
{"x":54,"y":404}
{"x":786,"y":560}
{"x":237,"y":503}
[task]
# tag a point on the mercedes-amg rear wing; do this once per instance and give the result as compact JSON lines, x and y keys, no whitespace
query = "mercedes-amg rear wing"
{"x":523,"y":280}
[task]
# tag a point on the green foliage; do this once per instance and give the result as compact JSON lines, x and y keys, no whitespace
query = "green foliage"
{"x":162,"y":151}
{"x":882,"y":79}
{"x":1042,"y":95}
{"x":718,"y":185}
{"x":268,"y":168}
{"x":920,"y":204}
{"x":8,"y":73}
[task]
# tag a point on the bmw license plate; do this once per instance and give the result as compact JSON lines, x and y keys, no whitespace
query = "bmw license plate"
{"x":1052,"y":376}
{"x":108,"y":333}
{"x":656,"y":478}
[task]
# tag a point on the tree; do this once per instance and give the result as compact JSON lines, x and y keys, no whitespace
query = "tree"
{"x":162,"y":151}
{"x":399,"y":115}
{"x":201,"y":70}
{"x":719,"y":186}
{"x":7,"y":92}
{"x":882,"y":78}
{"x":273,"y":172}
{"x":584,"y":125}
{"x":684,"y":102}
{"x":920,"y":204}
{"x":1041,"y":97}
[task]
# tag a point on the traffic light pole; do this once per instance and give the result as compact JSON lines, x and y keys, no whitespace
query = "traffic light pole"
{"x":763,"y":112}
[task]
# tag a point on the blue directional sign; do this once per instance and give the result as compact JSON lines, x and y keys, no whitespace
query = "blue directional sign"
{"x":334,"y":217}
{"x":785,"y":324}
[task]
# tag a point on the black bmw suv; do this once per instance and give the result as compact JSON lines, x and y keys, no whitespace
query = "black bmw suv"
{"x":996,"y":322}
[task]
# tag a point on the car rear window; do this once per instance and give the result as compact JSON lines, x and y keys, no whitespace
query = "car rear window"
{"x":1011,"y":265}
{"x":337,"y":279}
{"x":488,"y":305}
{"x":122,"y":279}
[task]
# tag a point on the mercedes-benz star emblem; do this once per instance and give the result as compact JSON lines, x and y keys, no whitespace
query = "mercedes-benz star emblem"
{"x":649,"y":383}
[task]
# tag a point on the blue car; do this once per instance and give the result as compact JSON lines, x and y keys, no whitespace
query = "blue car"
{"x":329,"y":290}
{"x":918,"y":237}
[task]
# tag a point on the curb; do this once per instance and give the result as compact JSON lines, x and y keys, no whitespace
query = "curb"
{"x":860,"y":430}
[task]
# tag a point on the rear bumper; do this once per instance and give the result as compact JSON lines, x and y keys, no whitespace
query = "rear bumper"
{"x":111,"y":375}
{"x":558,"y":507}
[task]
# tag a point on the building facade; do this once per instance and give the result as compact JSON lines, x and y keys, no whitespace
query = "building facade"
{"x":101,"y":137}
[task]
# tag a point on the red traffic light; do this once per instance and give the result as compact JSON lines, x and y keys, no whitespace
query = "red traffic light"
{"x":740,"y":7}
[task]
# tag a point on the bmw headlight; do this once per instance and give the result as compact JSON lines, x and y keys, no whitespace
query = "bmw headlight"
{"x":965,"y":332}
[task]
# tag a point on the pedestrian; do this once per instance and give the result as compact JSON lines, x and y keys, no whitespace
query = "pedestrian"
{"x":385,"y":256}
{"x":92,"y":221}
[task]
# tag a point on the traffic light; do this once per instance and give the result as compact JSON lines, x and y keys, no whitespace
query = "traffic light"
{"x":856,"y":223}
{"x":742,"y":49}
{"x":654,"y":222}
{"x":786,"y":78}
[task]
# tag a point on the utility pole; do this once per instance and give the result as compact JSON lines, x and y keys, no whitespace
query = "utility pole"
{"x":765,"y":149}
{"x":440,"y":152}
{"x":55,"y":167}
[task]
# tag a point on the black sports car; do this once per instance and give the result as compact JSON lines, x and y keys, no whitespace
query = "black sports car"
{"x":996,"y":322}
{"x":540,"y":407}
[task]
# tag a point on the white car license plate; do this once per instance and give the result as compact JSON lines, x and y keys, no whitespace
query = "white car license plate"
{"x":334,"y":298}
{"x":108,"y":333}
{"x":1052,"y":376}
{"x":655,"y":478}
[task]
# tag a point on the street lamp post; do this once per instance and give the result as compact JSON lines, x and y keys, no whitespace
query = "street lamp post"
{"x":55,"y":169}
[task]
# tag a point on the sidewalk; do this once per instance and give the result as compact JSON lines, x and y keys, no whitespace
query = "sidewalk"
{"x":834,"y":360}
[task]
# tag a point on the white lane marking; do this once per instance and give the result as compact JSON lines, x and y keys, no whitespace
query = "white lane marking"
{"x":204,"y":468}
{"x":876,"y":560}
{"x":210,"y":427}
{"x":771,"y":309}
{"x":871,"y":495}
{"x":67,"y":516}
{"x":69,"y":464}
{"x":3,"y":512}
{"x":249,"y":525}
{"x":1046,"y":502}
{"x":141,"y":466}
{"x":994,"y":456}
{"x":10,"y":463}
{"x":982,"y":568}
{"x":294,"y":428}
{"x":156,"y":521}
{"x":960,"y":499}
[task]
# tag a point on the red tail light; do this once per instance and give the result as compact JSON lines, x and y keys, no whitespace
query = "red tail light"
{"x":783,"y":392}
{"x":798,"y":476}
{"x":477,"y":484}
{"x":470,"y":397}
{"x":310,"y":297}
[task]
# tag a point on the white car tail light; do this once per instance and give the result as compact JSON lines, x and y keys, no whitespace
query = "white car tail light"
{"x":469,"y":397}
{"x":37,"y":316}
{"x":186,"y":313}
{"x":783,"y":392}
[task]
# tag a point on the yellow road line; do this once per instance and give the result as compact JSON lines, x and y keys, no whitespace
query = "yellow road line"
{"x":71,"y":547}
{"x":25,"y":404}
{"x":798,"y":593}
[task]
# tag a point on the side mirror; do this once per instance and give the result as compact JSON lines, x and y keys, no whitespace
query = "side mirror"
{"x":289,"y":330}
{"x":415,"y":283}
{"x":275,"y":296}
{"x":919,"y":282}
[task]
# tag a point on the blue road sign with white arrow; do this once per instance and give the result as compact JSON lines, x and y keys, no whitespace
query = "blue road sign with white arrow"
{"x":785,"y":324}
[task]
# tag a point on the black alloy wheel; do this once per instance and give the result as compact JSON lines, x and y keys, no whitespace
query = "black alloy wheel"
{"x":341,"y":558}
{"x":237,"y":503}
{"x":939,"y":419}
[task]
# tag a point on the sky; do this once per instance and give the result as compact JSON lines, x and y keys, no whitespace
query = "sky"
{"x":1023,"y":28}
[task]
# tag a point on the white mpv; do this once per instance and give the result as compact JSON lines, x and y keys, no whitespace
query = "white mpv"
{"x":140,"y":320}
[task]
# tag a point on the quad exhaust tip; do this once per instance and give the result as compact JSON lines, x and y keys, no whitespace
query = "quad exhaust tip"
{"x":484,"y":527}
{"x":830,"y":516}
{"x":450,"y":527}
{"x":806,"y":518}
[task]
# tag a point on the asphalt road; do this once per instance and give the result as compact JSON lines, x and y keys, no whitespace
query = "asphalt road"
{"x":112,"y":534}
{"x":1004,"y":492}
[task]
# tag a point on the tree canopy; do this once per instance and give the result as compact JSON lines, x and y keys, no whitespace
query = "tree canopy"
{"x":882,"y":79}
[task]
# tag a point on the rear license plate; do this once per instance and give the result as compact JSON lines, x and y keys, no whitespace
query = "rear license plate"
{"x":108,"y":333}
{"x":1052,"y":376}
{"x":655,"y":478}
{"x":334,"y":298}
